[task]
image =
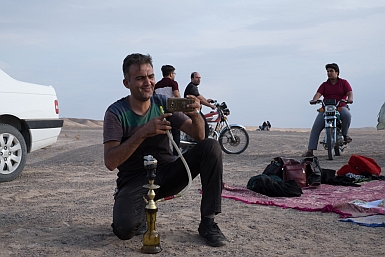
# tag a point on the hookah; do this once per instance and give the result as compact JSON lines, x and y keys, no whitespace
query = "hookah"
{"x":151,"y":238}
{"x":184,"y":163}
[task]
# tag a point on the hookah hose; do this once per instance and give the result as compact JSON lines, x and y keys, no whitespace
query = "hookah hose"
{"x":185,"y":164}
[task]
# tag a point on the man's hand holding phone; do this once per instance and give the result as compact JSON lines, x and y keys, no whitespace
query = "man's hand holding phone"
{"x":188,"y":105}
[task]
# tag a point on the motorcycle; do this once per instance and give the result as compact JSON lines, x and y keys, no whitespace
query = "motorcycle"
{"x":333,"y":141}
{"x":233,"y":138}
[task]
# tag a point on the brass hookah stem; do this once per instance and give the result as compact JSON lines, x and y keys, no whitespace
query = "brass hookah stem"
{"x":151,"y":239}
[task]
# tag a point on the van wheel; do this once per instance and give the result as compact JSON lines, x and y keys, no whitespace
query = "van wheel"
{"x":13,"y":153}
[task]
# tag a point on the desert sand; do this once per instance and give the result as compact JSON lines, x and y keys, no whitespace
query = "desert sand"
{"x":61,"y":205}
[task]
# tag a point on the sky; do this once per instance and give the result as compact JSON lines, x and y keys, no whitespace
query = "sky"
{"x":264,"y":58}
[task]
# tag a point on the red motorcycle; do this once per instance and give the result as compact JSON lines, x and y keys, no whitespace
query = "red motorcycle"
{"x":233,"y":138}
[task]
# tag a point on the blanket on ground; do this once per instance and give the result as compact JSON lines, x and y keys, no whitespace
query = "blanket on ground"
{"x":325,"y":198}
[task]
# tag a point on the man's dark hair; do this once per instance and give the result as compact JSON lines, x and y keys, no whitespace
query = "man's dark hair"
{"x":167,"y":70}
{"x":136,"y":59}
{"x":193,"y":74}
{"x":333,"y":66}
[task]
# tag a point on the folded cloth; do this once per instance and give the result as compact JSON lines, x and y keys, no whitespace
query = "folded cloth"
{"x":273,"y":186}
{"x":369,"y":221}
{"x":326,"y":175}
{"x":358,"y":164}
{"x":342,"y":181}
{"x":377,"y":206}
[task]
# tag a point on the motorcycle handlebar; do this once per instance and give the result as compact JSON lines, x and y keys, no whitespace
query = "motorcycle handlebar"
{"x":315,"y":101}
{"x":321,"y":101}
{"x":222,"y":106}
{"x":214,"y":102}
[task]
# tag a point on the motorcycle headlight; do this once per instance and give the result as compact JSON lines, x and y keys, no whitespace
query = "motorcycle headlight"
{"x":330,"y":108}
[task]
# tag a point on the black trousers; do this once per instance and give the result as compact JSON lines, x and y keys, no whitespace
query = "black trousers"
{"x":205,"y":159}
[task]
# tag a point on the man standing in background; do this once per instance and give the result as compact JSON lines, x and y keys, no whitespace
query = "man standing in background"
{"x":169,"y":87}
{"x":192,"y":89}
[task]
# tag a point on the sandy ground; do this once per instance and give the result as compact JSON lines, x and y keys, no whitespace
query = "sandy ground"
{"x":62,"y":204}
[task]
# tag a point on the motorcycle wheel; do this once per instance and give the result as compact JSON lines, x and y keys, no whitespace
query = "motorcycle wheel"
{"x":329,"y":142}
{"x":230,"y":146}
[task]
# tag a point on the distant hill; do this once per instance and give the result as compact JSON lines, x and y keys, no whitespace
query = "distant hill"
{"x":82,"y":123}
{"x":96,"y":124}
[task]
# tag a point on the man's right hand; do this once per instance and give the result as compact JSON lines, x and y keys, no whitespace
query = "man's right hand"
{"x":157,"y":126}
{"x":313,"y":101}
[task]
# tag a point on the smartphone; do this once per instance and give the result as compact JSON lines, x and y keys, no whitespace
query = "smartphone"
{"x":175,"y":104}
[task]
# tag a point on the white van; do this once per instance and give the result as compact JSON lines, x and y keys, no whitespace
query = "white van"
{"x":29,"y":120}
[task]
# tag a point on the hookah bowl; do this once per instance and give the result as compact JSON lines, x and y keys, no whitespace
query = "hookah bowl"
{"x":151,"y":238}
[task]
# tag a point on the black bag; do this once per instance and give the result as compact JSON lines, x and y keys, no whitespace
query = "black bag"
{"x":274,"y":168}
{"x":287,"y":169}
{"x":328,"y":176}
{"x":313,"y":171}
{"x":311,"y":165}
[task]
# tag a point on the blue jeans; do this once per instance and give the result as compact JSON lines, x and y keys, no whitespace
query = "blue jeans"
{"x":319,"y":125}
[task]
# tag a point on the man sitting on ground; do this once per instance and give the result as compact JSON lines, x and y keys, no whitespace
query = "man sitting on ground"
{"x":134,"y":127}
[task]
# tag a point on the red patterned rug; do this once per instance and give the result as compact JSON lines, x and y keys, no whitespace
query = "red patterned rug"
{"x":325,"y":198}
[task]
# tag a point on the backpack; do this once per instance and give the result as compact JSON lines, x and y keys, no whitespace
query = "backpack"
{"x":274,"y":168}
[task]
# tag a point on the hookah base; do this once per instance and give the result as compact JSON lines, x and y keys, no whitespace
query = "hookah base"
{"x":151,"y":249}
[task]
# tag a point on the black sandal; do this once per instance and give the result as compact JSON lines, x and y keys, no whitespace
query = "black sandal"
{"x":347,"y":139}
{"x":307,"y":154}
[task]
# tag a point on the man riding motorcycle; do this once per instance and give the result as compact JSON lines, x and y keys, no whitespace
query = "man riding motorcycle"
{"x":334,"y":88}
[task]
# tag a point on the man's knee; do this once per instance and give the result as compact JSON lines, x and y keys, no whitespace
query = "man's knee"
{"x":210,"y":146}
{"x":128,"y":222}
{"x":124,"y":231}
